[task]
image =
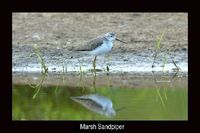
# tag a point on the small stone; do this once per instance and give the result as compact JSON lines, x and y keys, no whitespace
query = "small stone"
{"x":176,"y":50}
{"x":184,"y":49}
{"x":36,"y":37}
{"x":53,"y":69}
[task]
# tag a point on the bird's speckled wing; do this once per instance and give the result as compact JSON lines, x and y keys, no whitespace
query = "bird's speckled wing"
{"x":92,"y":44}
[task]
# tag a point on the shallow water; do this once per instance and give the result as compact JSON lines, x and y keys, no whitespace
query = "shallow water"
{"x":54,"y":103}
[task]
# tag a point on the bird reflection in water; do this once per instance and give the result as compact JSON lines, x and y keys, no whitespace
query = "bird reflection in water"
{"x":96,"y":103}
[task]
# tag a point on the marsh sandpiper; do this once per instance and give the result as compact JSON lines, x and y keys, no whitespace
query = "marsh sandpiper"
{"x":100,"y":45}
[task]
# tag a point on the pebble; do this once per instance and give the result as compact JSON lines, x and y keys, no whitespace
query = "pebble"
{"x":36,"y":38}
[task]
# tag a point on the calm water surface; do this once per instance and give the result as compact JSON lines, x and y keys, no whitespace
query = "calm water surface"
{"x":56,"y":103}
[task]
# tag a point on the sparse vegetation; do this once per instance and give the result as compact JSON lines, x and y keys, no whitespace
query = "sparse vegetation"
{"x":44,"y":71}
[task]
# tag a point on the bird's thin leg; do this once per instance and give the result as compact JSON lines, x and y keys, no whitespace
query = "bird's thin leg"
{"x":94,"y":82}
{"x":94,"y":66}
{"x":94,"y":63}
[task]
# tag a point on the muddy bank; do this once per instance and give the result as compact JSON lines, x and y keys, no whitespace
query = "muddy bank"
{"x":131,"y":69}
{"x":58,"y":59}
{"x":58,"y":34}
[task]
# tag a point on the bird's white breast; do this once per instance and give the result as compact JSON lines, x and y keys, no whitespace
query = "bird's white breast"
{"x":103,"y":49}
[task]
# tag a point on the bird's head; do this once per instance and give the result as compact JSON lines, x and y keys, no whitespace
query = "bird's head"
{"x":110,"y":36}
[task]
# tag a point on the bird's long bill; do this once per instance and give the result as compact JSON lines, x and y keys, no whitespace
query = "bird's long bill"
{"x":120,"y":40}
